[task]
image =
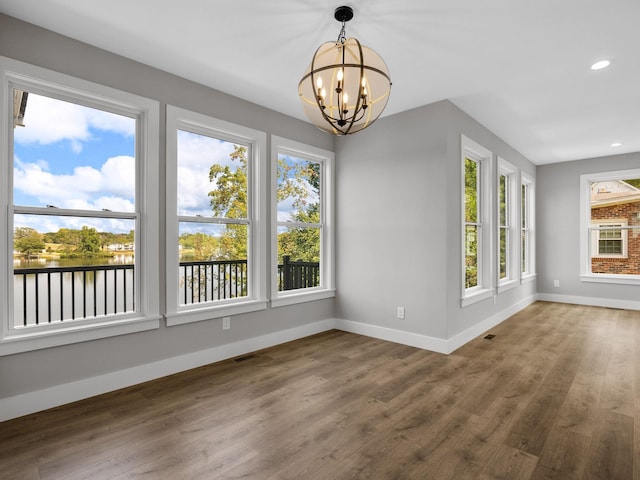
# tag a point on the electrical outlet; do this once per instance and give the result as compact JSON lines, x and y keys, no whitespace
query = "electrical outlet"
{"x":400,"y":312}
{"x":556,"y":283}
{"x":226,"y":323}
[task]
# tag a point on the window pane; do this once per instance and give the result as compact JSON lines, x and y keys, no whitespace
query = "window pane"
{"x":213,"y":262}
{"x":523,"y":204}
{"x":615,"y":204}
{"x":503,"y":199}
{"x":610,"y":247}
{"x":471,"y":191}
{"x":212,"y":177}
{"x":299,"y":190}
{"x":524,"y":247}
{"x":71,"y":156}
{"x":71,"y":267}
{"x":471,"y":256}
{"x":503,"y":252}
{"x":614,"y":234}
{"x":298,"y":257}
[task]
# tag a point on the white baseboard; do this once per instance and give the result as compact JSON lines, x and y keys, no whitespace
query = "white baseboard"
{"x":478,"y":329}
{"x":591,"y":301}
{"x":19,"y":405}
{"x":391,"y":335}
{"x":434,"y":344}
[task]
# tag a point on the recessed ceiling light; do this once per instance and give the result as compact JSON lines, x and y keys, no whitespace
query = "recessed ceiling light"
{"x":616,"y":144}
{"x":599,"y":65}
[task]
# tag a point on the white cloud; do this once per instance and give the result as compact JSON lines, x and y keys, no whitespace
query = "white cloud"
{"x":112,"y":187}
{"x":49,"y":120}
{"x":196,"y":155}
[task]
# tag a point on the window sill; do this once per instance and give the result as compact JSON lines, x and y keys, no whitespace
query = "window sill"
{"x":604,"y":278}
{"x":508,"y":285}
{"x":306,"y":295}
{"x":209,"y":312}
{"x":33,"y":339}
{"x":476,"y":296}
{"x":528,"y":278}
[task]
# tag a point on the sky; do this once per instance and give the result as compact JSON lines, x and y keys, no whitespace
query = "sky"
{"x":76,"y":157}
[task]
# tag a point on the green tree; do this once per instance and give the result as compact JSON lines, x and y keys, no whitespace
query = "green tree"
{"x":295,"y":180}
{"x":89,"y":241}
{"x":203,"y":246}
{"x":68,"y":238}
{"x":28,"y":241}
{"x":229,"y":200}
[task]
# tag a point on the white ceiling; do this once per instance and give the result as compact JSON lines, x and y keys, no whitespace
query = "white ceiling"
{"x":521,"y":68}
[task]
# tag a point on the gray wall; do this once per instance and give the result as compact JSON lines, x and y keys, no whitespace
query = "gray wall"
{"x":32,"y":371}
{"x":391,"y":197}
{"x":558,"y":220}
{"x":399,"y":193}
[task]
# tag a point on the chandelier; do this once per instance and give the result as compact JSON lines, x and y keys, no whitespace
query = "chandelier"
{"x":347,"y":85}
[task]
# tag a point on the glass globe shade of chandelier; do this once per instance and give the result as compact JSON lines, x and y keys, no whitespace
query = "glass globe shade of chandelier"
{"x":346,"y":86}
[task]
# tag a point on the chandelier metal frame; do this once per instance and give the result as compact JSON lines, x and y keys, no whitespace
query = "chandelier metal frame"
{"x":346,"y":63}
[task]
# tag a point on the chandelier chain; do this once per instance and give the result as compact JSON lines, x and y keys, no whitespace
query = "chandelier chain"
{"x":342,"y":37}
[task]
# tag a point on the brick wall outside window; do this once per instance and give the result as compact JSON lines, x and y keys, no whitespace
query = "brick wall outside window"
{"x":631,"y":264}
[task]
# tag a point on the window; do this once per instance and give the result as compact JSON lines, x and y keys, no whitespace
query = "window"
{"x":302,"y":212}
{"x":472,"y":221}
{"x":214,"y":218}
{"x":610,"y":239}
{"x":504,"y":241}
{"x":82,"y":210}
{"x":507,"y":225}
{"x":527,"y":221}
{"x":477,"y":238}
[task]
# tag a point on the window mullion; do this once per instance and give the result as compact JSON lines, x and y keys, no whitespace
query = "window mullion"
{"x":65,"y":212}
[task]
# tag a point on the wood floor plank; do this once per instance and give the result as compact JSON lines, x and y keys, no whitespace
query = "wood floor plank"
{"x":610,"y":454}
{"x":554,"y":395}
{"x":579,"y":412}
{"x":530,"y":431}
{"x":564,"y":456}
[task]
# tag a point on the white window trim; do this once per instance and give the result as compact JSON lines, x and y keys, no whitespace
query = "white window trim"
{"x":147,"y":317}
{"x":179,"y":118}
{"x":585,"y":222}
{"x":486,"y":264}
{"x":513,"y":240}
{"x":327,"y":242}
{"x":595,"y":237}
{"x":530,"y":275}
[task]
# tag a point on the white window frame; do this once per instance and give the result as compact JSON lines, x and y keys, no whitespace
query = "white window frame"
{"x":597,"y":226}
{"x":510,"y":173}
{"x":586,"y":236}
{"x":20,"y":75}
{"x":527,"y":226}
{"x":326,"y":158}
{"x":182,"y":119}
{"x":486,"y":265}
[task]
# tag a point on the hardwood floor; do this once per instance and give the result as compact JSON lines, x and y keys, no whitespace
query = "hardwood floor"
{"x":555,"y":395}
